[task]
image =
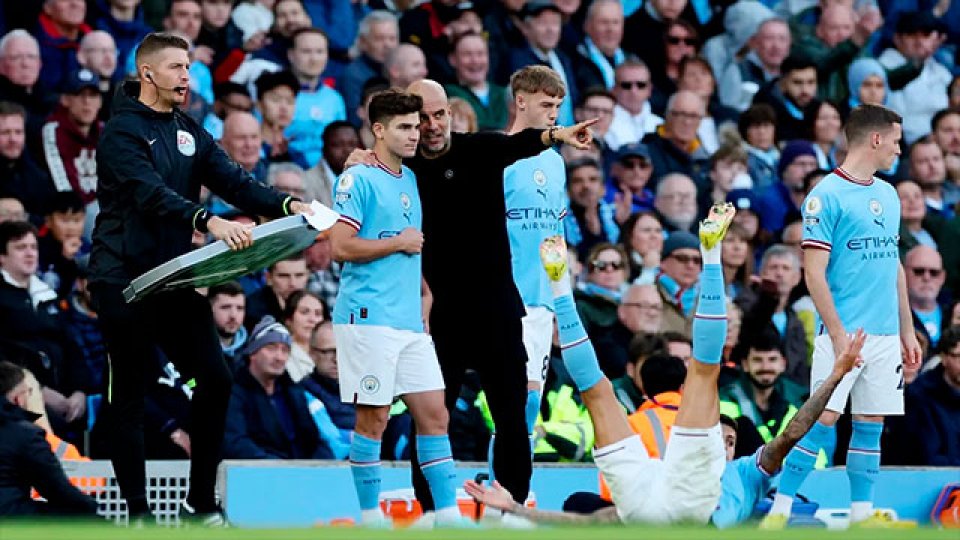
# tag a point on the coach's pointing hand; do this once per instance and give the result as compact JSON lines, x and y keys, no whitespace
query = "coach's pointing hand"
{"x":236,"y":235}
{"x":410,"y":241}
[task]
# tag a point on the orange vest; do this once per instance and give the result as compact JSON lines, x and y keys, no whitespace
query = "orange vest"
{"x":652,"y":421}
{"x":68,"y":452}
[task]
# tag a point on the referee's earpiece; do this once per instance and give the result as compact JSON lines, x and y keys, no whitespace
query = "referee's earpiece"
{"x":150,"y":76}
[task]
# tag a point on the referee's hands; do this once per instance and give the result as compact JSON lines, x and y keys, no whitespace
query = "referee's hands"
{"x":236,"y":235}
{"x":577,"y":135}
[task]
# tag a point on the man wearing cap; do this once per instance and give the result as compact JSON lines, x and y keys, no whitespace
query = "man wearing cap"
{"x":71,"y":134}
{"x":785,"y":197}
{"x":268,"y":416}
{"x":628,"y":180}
{"x":918,"y":35}
{"x":677,"y":281}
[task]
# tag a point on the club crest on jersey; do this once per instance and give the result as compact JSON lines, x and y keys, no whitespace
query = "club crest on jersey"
{"x":405,"y":204}
{"x":539,"y":178}
{"x":345,"y":182}
{"x":370,"y":384}
{"x":813,"y":205}
{"x":185,"y":143}
{"x":875,"y":207}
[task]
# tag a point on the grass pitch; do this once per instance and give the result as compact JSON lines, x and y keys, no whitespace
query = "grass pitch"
{"x":88,"y":531}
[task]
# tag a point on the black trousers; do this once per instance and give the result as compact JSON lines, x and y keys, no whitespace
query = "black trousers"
{"x":493,"y":347}
{"x":181,"y":324}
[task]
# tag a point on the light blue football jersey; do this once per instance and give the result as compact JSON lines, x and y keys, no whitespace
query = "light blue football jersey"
{"x":742,"y":485}
{"x":859,"y":225}
{"x":386,"y":291}
{"x":535,"y":193}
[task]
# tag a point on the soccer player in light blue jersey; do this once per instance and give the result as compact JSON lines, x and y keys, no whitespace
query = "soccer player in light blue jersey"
{"x":383,"y":351}
{"x":851,"y":224}
{"x":534,"y":193}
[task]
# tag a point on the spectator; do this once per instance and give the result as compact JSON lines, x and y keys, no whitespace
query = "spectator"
{"x":676,"y":202}
{"x":268,"y":416}
{"x":339,"y":139}
{"x":929,"y":171}
{"x":301,"y":314}
{"x":598,"y":103}
{"x":792,"y":96}
{"x":242,"y":141}
{"x":632,"y":116}
{"x":84,"y":328}
{"x":768,"y":48}
{"x":316,"y":104}
{"x":628,"y":388}
{"x":166,"y":419}
{"x":676,"y":283}
{"x":11,"y":209}
{"x":542,"y":22}
{"x":591,"y":221}
{"x":229,"y":97}
{"x":71,"y":134}
{"x":784,"y":198}
{"x":923,"y":267}
{"x":916,"y":38}
{"x":661,"y":379}
{"x":26,"y":460}
{"x":229,"y":308}
{"x":630,"y":173}
{"x":221,"y":40}
{"x":337,"y":418}
{"x":933,"y":408}
{"x":674,"y":145}
{"x":761,"y":394}
{"x":824,"y":132}
{"x":20,"y":77}
{"x":504,"y":28}
{"x":741,"y":22}
{"x":954,"y":91}
{"x":404,"y":64}
{"x":680,"y":40}
{"x":123,"y":19}
{"x":60,"y":27}
{"x":61,"y":243}
{"x":563,"y":431}
{"x":747,"y":204}
{"x":679,"y":345}
{"x":758,"y":129}
{"x":644,"y":30}
{"x":695,"y":76}
{"x":282,"y":279}
{"x":470,"y":58}
{"x":638,"y":312}
{"x":289,"y":17}
{"x":31,"y":328}
{"x":377,"y":35}
{"x":276,"y":101}
{"x":917,"y":226}
{"x":598,"y":298}
{"x":840,"y":36}
{"x":430,"y":27}
{"x":728,"y":171}
{"x":946,"y":131}
{"x":599,"y":53}
{"x":737,"y":259}
{"x":372,"y":88}
{"x":463,"y":119}
{"x":21,"y":178}
{"x":866,"y":83}
{"x":287,"y":178}
{"x":324,"y":280}
{"x":98,"y":53}
{"x":780,"y":272}
{"x":642,"y":238}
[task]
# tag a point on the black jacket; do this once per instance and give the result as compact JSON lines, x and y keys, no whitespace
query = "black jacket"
{"x":26,"y":181}
{"x":933,"y":420}
{"x":26,"y":461}
{"x":259,"y":304}
{"x":150,"y":166}
{"x":254,"y":431}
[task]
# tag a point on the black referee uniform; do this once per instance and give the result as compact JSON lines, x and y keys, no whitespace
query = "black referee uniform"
{"x":475,"y":320}
{"x":150,"y":166}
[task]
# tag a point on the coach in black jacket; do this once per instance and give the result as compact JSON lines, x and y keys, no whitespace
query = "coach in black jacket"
{"x":151,"y":163}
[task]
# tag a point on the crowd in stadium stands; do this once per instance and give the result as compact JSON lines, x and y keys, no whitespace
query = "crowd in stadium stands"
{"x":697,"y":101}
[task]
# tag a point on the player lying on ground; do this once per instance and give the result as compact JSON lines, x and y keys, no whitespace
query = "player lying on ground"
{"x":686,"y":485}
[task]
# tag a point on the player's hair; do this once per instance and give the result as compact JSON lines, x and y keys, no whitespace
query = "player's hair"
{"x":867,"y":119}
{"x":10,"y":108}
{"x":298,"y":256}
{"x":158,"y":41}
{"x":940,"y":115}
{"x":392,"y":102}
{"x":662,"y":373}
{"x":332,"y":127}
{"x":293,"y":301}
{"x":644,"y":345}
{"x":765,"y":341}
{"x":64,"y":202}
{"x":11,"y":231}
{"x":230,"y":288}
{"x":305,"y":31}
{"x":10,"y":376}
{"x":534,"y":79}
{"x":780,"y":251}
{"x":729,"y":152}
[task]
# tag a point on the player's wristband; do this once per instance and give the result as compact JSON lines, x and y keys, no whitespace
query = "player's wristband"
{"x":200,"y":220}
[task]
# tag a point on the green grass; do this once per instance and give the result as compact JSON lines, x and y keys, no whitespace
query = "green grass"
{"x":86,"y":531}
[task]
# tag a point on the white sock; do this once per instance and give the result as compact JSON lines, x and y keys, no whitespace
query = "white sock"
{"x":711,"y":256}
{"x":373,"y":516}
{"x":449,"y":514}
{"x":860,"y":511}
{"x":782,"y":504}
